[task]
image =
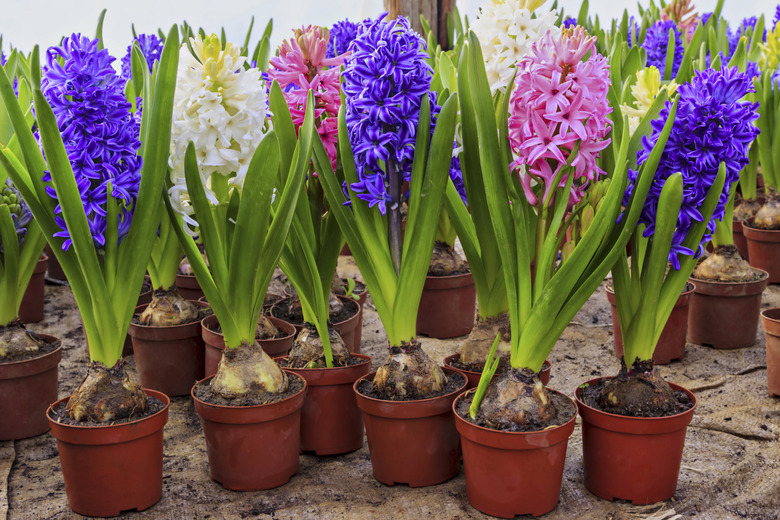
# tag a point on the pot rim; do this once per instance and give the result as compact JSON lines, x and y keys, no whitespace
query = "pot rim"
{"x":564,"y":429}
{"x":365,"y":357}
{"x":547,"y":365}
{"x":687,"y":415}
{"x":250,"y":407}
{"x":97,"y":427}
{"x":748,"y":223}
{"x":454,"y":281}
{"x":342,"y":322}
{"x":690,"y":286}
{"x":371,"y":375}
{"x":56,"y":352}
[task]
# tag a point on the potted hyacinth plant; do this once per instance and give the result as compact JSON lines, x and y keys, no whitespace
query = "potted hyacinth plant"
{"x":239,"y":194}
{"x":556,"y":127}
{"x":166,"y":335}
{"x":95,"y":197}
{"x":28,"y":361}
{"x":330,"y":421}
{"x":385,"y":139}
{"x":701,"y":160}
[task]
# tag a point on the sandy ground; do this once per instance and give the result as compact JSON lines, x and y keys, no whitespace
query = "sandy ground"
{"x":730,"y":466}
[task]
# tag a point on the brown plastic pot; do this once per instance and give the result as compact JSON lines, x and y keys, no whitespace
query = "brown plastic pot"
{"x":770,"y":320}
{"x":764,"y":249}
{"x":447,"y":306}
{"x":411,"y":442}
{"x":725,"y":314}
{"x":473,"y":376}
{"x":513,"y":473}
{"x":671,"y":344}
{"x":252,"y":448}
{"x":214,"y":342}
{"x":27,"y":388}
{"x":188,"y":286}
{"x":114,"y":468}
{"x":31,"y":308}
{"x":632,"y":458}
{"x":168,"y":359}
{"x":350,"y":330}
{"x":53,"y":268}
{"x":331,"y":422}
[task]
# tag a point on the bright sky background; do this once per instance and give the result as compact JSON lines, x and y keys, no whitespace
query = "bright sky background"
{"x":27,"y":22}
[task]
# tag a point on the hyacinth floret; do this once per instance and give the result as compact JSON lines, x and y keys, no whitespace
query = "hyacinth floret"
{"x":220,"y":106}
{"x":559,"y":102}
{"x":656,"y":43}
{"x":384,"y":81}
{"x":341,"y":35}
{"x":98,"y":130}
{"x":150,"y":46}
{"x":570,"y":22}
{"x":777,"y":17}
{"x":633,"y":31}
{"x":20,"y":213}
{"x":300,"y":66}
{"x":506,"y":30}
{"x":713,"y":125}
{"x":682,"y":13}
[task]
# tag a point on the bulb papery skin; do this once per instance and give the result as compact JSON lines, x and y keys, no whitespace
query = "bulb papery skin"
{"x":221,"y":107}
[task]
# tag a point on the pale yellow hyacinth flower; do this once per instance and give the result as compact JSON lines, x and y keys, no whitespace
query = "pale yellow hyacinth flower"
{"x":770,"y":51}
{"x":645,"y":90}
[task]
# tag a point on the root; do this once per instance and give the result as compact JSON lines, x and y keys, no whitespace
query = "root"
{"x":308,"y":351}
{"x":167,"y":309}
{"x":247,"y":369}
{"x":516,"y":398}
{"x":475,"y":349}
{"x":107,"y":395}
{"x":445,"y":261}
{"x":638,"y":392}
{"x":409,"y":372}
{"x":724,"y":265}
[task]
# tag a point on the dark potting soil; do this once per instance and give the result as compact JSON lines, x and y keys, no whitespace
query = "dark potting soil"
{"x":454,"y":381}
{"x":565,"y":411}
{"x":477,"y":367}
{"x":153,"y":405}
{"x":288,"y":362}
{"x":203,"y":312}
{"x":590,"y":396}
{"x":349,"y":309}
{"x":15,"y":357}
{"x":204,"y":393}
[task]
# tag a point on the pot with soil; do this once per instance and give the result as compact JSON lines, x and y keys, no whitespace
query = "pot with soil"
{"x":770,"y":321}
{"x":186,"y":283}
{"x":110,"y":468}
{"x":632,"y":457}
{"x":671,"y":345}
{"x":31,"y":309}
{"x":474,"y":371}
{"x":763,"y":248}
{"x":253,"y":442}
{"x":275,"y":336}
{"x":411,"y":441}
{"x":331,"y":422}
{"x":360,"y":290}
{"x":449,"y":296}
{"x":168,"y":343}
{"x":511,"y":473}
{"x":345,"y":315}
{"x":724,"y":307}
{"x":28,"y":382}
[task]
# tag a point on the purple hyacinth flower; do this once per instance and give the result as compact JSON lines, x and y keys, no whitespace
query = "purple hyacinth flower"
{"x":341,"y":35}
{"x":570,"y":22}
{"x":656,"y":43}
{"x":151,"y":47}
{"x":100,"y":133}
{"x":713,"y":126}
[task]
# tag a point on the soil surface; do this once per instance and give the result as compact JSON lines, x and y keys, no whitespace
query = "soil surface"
{"x":729,"y":470}
{"x":153,"y":405}
{"x":565,"y":410}
{"x":454,"y":382}
{"x":590,"y":396}
{"x":204,"y":393}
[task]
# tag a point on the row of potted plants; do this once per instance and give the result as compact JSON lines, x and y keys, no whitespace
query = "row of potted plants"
{"x":550,"y":185}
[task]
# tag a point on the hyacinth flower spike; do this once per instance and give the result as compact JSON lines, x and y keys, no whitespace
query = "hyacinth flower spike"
{"x":98,"y":210}
{"x":702,"y":158}
{"x":310,"y":254}
{"x":540,"y":307}
{"x":384,"y":139}
{"x":240,"y":204}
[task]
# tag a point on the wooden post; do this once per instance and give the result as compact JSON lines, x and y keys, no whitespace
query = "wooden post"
{"x":435,"y":11}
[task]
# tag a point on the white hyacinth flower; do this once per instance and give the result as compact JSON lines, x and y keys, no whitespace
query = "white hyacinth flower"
{"x":221,"y":108}
{"x":506,"y":30}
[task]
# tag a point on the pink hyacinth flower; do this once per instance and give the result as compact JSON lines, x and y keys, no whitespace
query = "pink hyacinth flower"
{"x":559,"y":101}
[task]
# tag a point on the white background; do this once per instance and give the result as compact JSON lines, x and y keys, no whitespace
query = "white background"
{"x":24,"y":23}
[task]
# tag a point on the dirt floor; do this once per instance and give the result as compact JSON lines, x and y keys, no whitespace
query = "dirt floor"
{"x":730,"y":467}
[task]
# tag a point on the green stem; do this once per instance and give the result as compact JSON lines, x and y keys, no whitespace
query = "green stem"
{"x":394,"y":215}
